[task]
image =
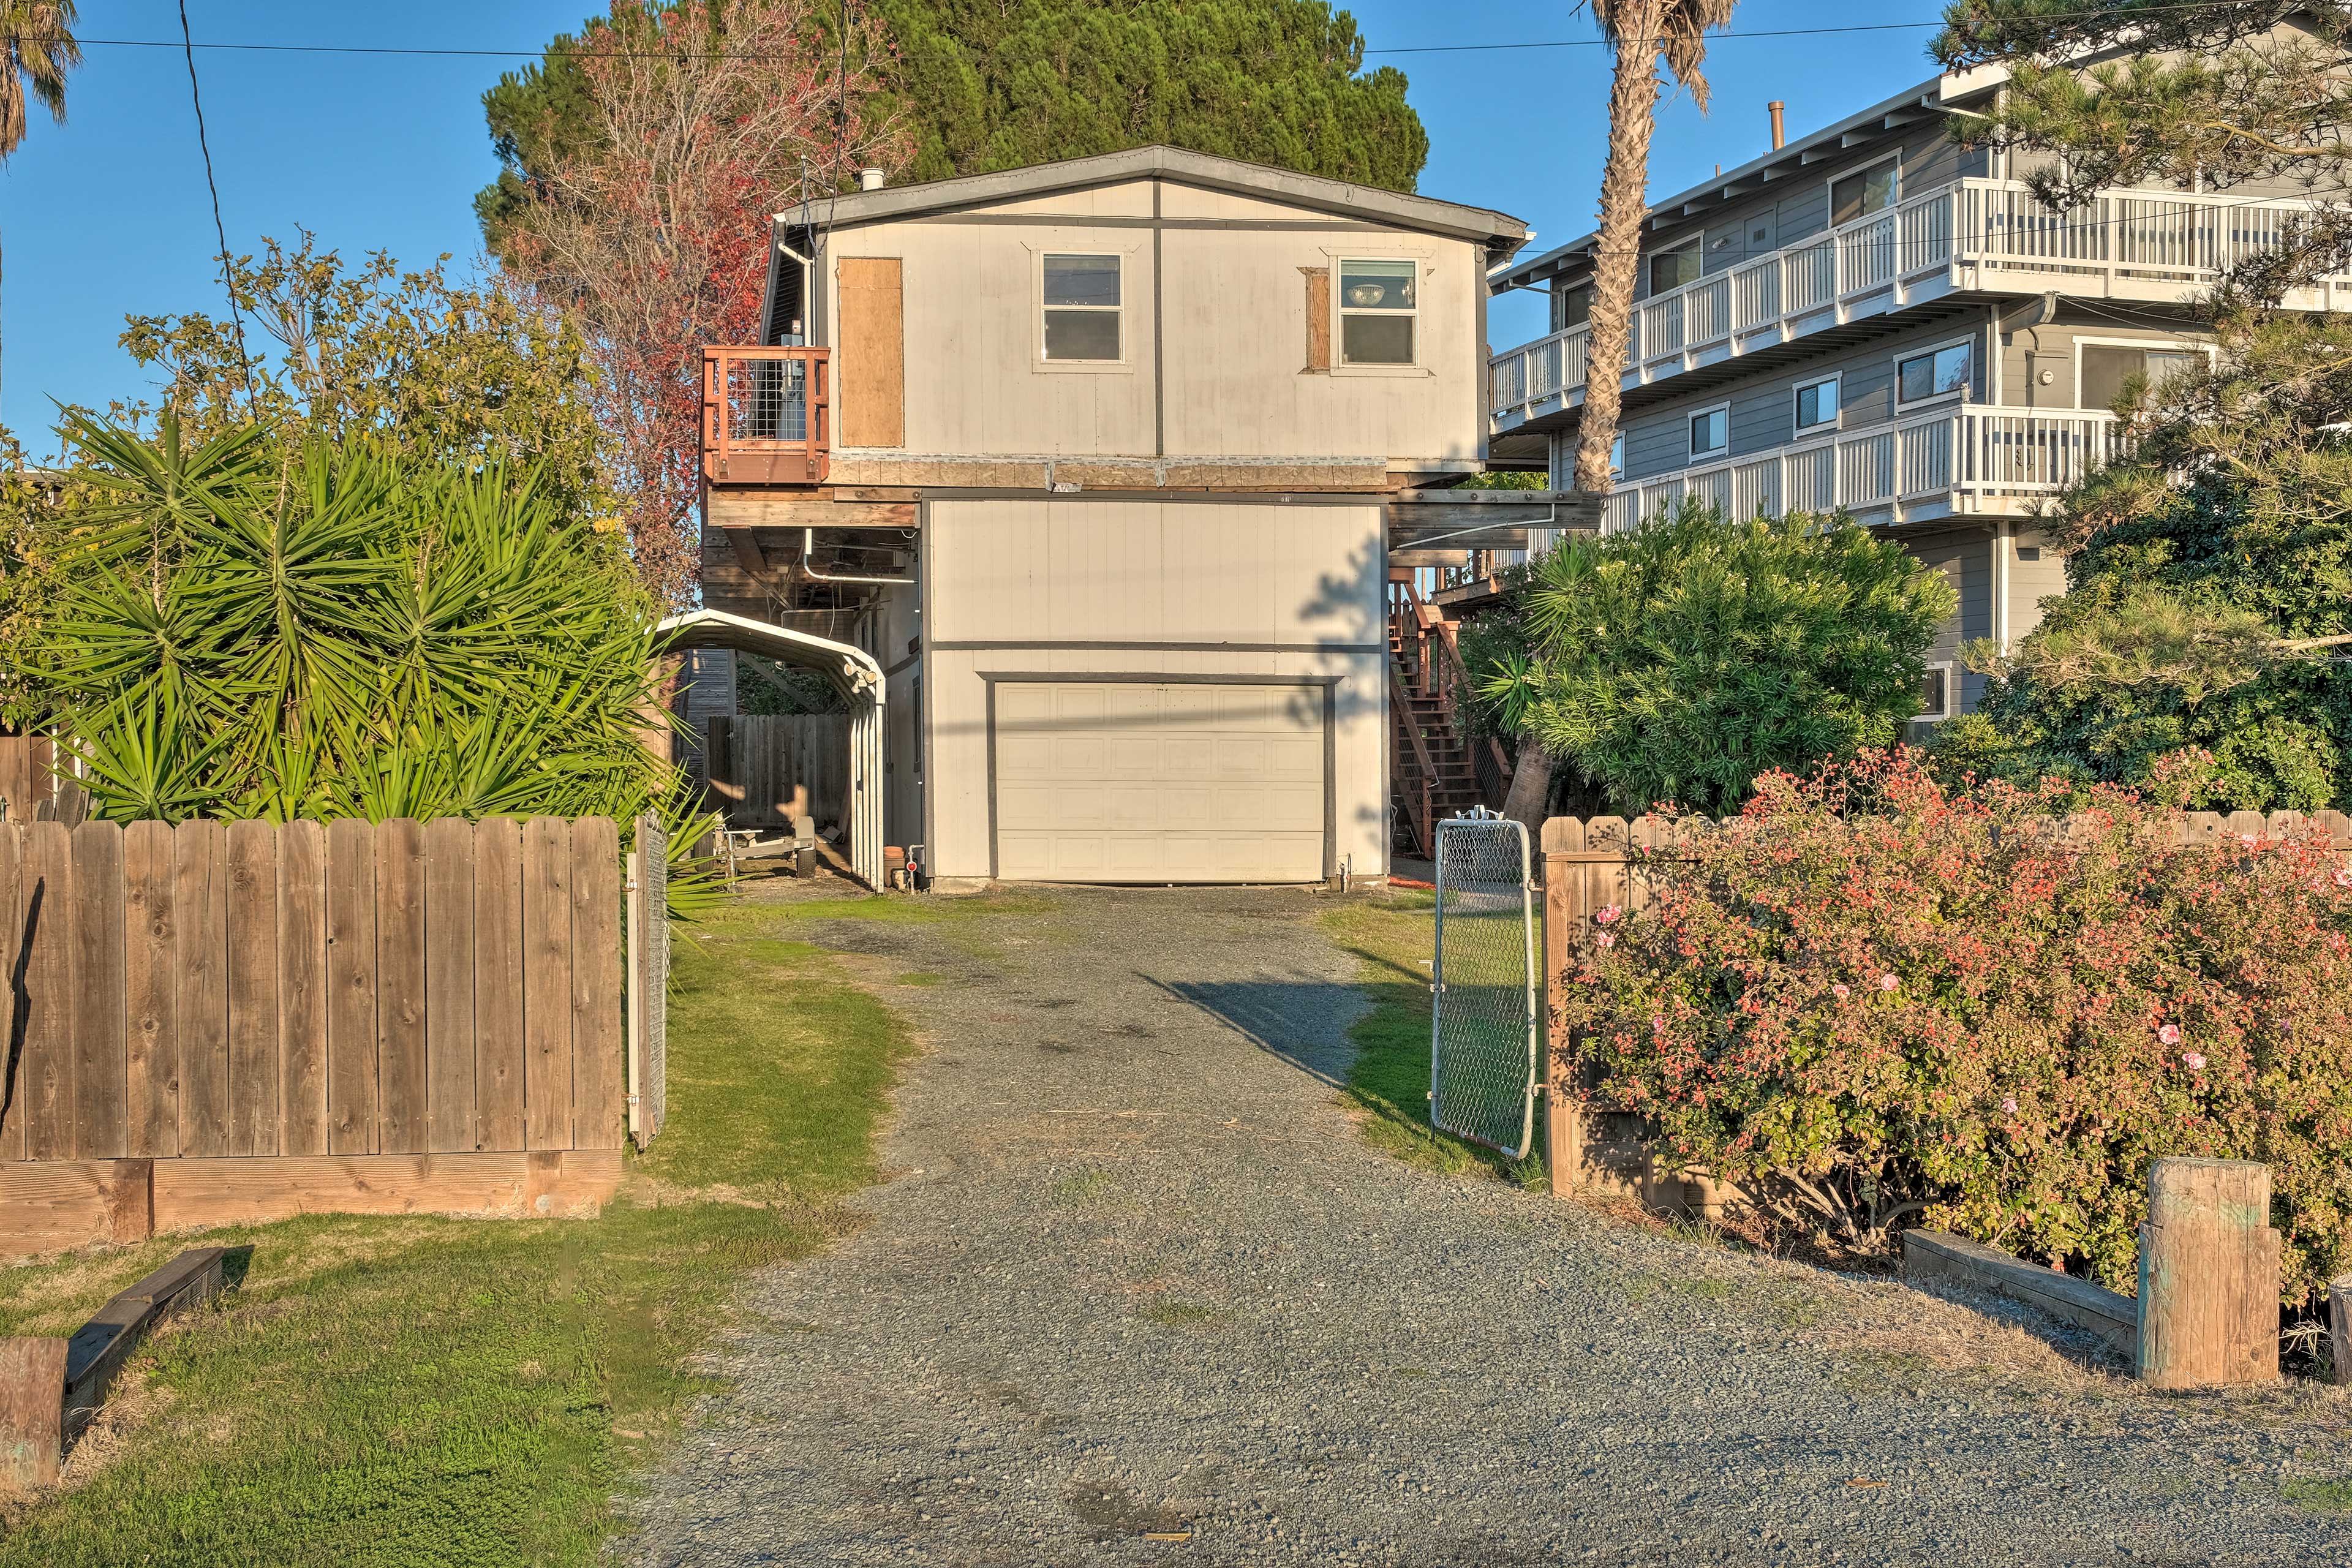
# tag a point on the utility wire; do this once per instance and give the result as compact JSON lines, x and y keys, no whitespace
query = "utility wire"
{"x":1595,"y":43}
{"x":244,"y":360}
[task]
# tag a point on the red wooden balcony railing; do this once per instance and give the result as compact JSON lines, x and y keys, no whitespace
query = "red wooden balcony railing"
{"x":767,"y":414}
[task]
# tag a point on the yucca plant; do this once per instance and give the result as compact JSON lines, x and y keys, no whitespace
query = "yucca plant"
{"x":253,"y":628}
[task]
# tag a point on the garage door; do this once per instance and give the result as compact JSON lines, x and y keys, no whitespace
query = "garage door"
{"x":1102,"y":782}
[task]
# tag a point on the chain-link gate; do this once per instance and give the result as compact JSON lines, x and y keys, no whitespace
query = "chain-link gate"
{"x":1483,"y":1021}
{"x":649,"y":980}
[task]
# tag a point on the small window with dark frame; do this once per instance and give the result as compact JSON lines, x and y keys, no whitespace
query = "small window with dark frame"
{"x":1572,"y":306}
{"x":1670,"y":270}
{"x":1863,"y":192}
{"x":1936,"y":692}
{"x":1817,"y":404}
{"x":1082,"y":309}
{"x":1377,"y":302}
{"x":1935,"y":373}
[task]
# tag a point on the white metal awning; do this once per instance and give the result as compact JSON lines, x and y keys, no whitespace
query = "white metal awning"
{"x":852,"y":672}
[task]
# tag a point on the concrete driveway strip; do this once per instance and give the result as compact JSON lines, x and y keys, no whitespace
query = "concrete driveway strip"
{"x":1139,"y":1293}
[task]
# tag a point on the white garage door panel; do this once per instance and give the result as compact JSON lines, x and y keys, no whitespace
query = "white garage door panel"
{"x":1117,"y":781}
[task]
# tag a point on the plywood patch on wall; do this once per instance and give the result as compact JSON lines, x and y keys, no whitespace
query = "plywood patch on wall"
{"x":872,"y":364}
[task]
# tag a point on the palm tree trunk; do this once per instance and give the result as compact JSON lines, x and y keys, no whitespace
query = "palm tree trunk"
{"x":1530,"y":791}
{"x":1624,"y":198}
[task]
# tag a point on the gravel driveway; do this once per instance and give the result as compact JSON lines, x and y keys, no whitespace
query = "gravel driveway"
{"x":1139,"y":1293}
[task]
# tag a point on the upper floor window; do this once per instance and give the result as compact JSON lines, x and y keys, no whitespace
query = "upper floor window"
{"x":1817,"y":404}
{"x":1710,"y":431}
{"x":1377,"y":302}
{"x":1935,"y":373}
{"x":1863,"y":192}
{"x":1670,"y":270}
{"x":1572,"y":306}
{"x":2106,"y":367}
{"x":1082,"y":307}
{"x":1617,"y":458}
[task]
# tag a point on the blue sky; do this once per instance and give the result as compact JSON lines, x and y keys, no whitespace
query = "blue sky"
{"x":108,"y":214}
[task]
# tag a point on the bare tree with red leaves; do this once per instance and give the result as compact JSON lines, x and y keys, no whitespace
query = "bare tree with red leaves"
{"x":651,"y":232}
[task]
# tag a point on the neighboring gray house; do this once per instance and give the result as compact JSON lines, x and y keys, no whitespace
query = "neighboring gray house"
{"x":1874,"y":317}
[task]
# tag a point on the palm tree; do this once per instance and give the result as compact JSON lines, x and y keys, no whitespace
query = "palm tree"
{"x":36,"y":49}
{"x":1642,"y":32}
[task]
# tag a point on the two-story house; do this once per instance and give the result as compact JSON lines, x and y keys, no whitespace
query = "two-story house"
{"x":1101,"y":463}
{"x":1877,"y":317}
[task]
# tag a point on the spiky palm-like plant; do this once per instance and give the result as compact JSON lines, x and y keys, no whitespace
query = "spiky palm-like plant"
{"x":247,"y":628}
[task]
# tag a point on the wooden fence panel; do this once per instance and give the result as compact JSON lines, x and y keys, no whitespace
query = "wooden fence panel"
{"x":303,"y":987}
{"x":755,"y":762}
{"x":449,"y":984}
{"x":44,"y":1070}
{"x":498,"y":1075}
{"x":151,"y":977}
{"x":351,"y":1042}
{"x":256,"y":1111}
{"x":547,"y":981}
{"x":245,"y":995}
{"x":200,"y":921}
{"x":404,"y":1107}
{"x":100,"y":1000}
{"x":597,"y":1043}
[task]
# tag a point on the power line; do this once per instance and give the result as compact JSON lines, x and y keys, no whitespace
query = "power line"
{"x":243,"y":359}
{"x":1595,"y":43}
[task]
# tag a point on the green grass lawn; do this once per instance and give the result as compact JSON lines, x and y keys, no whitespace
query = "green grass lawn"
{"x":1389,"y":1080}
{"x":423,"y":1392}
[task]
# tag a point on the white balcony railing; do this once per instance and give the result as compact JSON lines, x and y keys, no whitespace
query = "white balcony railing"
{"x":1960,"y":456}
{"x":1974,"y":234}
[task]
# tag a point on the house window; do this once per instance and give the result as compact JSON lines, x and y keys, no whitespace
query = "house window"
{"x":1670,"y":270}
{"x":1936,"y":692}
{"x":1617,"y":458}
{"x":1710,"y":431}
{"x":2106,"y":369}
{"x":1863,"y":192}
{"x":1935,"y":373}
{"x":1572,"y":306}
{"x":1377,"y":302}
{"x":1082,"y":308}
{"x":1817,"y":404}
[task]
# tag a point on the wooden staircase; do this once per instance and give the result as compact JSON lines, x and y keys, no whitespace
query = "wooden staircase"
{"x":1435,"y":770}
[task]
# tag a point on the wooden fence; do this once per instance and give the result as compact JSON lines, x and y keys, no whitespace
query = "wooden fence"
{"x":1590,"y":864}
{"x":233,"y":1021}
{"x":754,"y":764}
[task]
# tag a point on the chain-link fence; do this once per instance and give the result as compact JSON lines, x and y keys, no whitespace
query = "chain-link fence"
{"x":1482,"y":1027}
{"x":649,"y":980}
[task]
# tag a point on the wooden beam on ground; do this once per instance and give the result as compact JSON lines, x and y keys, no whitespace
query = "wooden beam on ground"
{"x":1932,"y":1255}
{"x":49,"y":1388}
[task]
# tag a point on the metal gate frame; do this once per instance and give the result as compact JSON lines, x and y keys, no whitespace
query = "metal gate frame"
{"x":649,"y":980}
{"x":1474,"y":1035}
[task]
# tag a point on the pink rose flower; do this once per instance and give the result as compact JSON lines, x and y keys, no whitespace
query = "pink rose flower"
{"x":2169,"y":1033}
{"x":2192,"y":1061}
{"x":2008,"y":1104}
{"x":1840,"y":991}
{"x":1606,"y":940}
{"x":1608,"y":916}
{"x":1887,"y":983}
{"x":2343,"y":875}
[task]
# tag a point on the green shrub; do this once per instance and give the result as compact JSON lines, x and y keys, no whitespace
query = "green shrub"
{"x":1871,"y":999}
{"x":1680,"y":660}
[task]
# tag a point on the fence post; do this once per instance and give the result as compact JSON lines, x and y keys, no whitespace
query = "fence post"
{"x":2339,"y":1327}
{"x":1563,"y":911}
{"x":2208,"y":1274}
{"x":649,"y":980}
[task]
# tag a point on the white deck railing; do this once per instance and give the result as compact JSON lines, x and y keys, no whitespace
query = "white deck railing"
{"x":2134,"y":243}
{"x":1957,"y":454}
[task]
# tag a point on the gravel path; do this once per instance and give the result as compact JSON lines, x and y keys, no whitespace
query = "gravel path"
{"x":1139,"y":1276}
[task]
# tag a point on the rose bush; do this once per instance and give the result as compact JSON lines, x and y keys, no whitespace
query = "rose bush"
{"x":1871,"y":999}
